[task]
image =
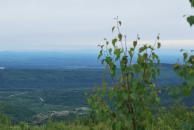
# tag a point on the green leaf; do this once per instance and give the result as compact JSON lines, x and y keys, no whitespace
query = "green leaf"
{"x":112,"y":69}
{"x":191,"y":59}
{"x":131,"y":51}
{"x":117,"y":53}
{"x":191,"y":72}
{"x":103,"y":61}
{"x":158,"y":37}
{"x":176,"y":66}
{"x":185,"y":56}
{"x":124,"y":61}
{"x":192,"y":2}
{"x":158,"y":45}
{"x":108,"y":60}
{"x":100,"y":54}
{"x":154,"y":56}
{"x":110,"y":50}
{"x":120,"y":36}
{"x":140,"y":59}
{"x":145,"y":55}
{"x":114,"y":42}
{"x":120,"y":23}
{"x":141,"y":49}
{"x":190,"y":20}
{"x":134,"y":43}
{"x":113,"y":28}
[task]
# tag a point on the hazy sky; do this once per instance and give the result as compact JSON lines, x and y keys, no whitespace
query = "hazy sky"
{"x":81,"y":24}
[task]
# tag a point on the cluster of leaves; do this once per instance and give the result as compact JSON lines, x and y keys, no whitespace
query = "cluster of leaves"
{"x":131,"y":98}
{"x":186,"y":71}
{"x":190,"y":19}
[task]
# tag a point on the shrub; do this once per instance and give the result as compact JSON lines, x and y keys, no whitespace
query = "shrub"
{"x":134,"y":95}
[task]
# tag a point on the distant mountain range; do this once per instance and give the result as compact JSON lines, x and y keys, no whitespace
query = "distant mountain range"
{"x":57,"y":60}
{"x":34,"y":83}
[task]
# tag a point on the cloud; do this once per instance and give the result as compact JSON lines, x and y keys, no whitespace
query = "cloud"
{"x":49,"y":24}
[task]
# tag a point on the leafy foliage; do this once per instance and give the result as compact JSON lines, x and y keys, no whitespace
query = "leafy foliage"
{"x":190,"y":19}
{"x":134,"y":94}
{"x":192,"y":2}
{"x":133,"y":101}
{"x":186,"y":71}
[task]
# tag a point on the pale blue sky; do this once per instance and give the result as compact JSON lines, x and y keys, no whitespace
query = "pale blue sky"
{"x":81,"y":24}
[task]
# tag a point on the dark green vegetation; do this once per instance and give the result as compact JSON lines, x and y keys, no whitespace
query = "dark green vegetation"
{"x":27,"y":93}
{"x":21,"y":89}
{"x":26,"y":105}
{"x":54,"y":78}
{"x":190,"y":19}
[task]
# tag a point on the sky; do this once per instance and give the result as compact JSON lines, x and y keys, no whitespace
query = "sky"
{"x":65,"y":25}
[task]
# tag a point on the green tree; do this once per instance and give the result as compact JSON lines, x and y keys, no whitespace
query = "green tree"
{"x":134,"y":93}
